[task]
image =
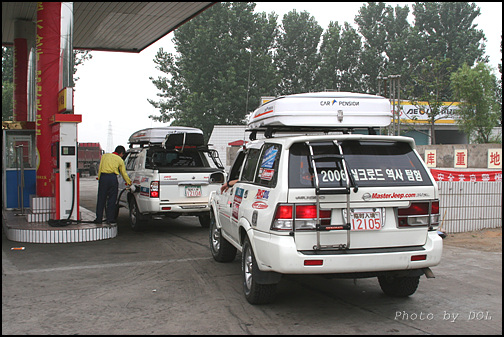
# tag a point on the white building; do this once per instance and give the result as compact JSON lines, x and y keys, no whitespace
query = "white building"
{"x":220,"y":138}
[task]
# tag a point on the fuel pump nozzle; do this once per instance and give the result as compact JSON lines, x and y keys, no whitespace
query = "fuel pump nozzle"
{"x":68,"y":171}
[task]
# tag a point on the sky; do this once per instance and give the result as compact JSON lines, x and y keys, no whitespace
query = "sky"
{"x":113,"y":87}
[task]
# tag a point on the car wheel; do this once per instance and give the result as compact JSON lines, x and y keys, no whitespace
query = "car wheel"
{"x":398,"y":286}
{"x":137,"y":220}
{"x":254,"y":293}
{"x":222,"y":250}
{"x":204,"y":220}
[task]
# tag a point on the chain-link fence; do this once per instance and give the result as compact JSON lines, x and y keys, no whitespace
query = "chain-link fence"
{"x":470,"y":206}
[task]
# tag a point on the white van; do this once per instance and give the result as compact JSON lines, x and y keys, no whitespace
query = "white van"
{"x":173,"y":174}
{"x":324,"y":199}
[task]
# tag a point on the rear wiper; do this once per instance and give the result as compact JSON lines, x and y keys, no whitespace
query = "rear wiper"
{"x":352,"y":179}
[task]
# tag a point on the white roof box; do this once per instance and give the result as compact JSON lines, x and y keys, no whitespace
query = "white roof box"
{"x":158,"y":135}
{"x":329,"y":110}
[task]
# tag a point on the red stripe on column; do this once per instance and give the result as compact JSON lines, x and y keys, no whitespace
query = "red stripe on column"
{"x":48,"y":53}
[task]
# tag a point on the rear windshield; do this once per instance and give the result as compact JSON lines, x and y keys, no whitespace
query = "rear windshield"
{"x":159,"y":159}
{"x":371,"y":163}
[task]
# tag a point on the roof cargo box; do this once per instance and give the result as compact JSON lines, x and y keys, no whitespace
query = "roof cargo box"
{"x":330,"y":110}
{"x":159,"y":135}
{"x":186,"y":139}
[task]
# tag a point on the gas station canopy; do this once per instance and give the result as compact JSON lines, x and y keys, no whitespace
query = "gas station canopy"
{"x":111,"y":26}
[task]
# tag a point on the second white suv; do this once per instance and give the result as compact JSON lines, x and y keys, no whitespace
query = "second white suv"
{"x":173,"y":174}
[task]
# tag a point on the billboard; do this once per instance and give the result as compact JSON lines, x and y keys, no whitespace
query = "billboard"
{"x":419,"y":113}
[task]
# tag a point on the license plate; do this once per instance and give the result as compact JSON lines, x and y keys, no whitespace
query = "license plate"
{"x":193,"y":191}
{"x":365,"y":219}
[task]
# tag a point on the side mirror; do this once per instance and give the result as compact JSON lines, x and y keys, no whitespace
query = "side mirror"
{"x":216,"y":178}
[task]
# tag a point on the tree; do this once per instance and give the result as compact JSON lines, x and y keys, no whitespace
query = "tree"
{"x":499,"y":88}
{"x":432,"y":80}
{"x":80,"y":56}
{"x":7,"y":84}
{"x":447,"y":31}
{"x":397,"y":52}
{"x":7,"y":101}
{"x":340,"y":58}
{"x":297,"y":57}
{"x":223,"y":62}
{"x":385,"y":31}
{"x":7,"y":64}
{"x":475,"y":88}
{"x":371,"y":27}
{"x":8,"y":78}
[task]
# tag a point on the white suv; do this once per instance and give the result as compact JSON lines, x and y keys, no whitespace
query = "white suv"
{"x":288,"y":210}
{"x":171,"y":175}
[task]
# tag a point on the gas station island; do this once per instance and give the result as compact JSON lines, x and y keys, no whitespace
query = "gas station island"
{"x":40,"y":187}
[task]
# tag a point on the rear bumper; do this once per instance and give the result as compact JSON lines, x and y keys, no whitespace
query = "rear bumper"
{"x":154,"y":206}
{"x":278,"y":253}
{"x":176,"y":208}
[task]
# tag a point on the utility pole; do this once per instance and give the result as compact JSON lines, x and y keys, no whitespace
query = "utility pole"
{"x":110,"y":142}
{"x":395,"y":95}
{"x":394,"y":81}
{"x":399,"y":105}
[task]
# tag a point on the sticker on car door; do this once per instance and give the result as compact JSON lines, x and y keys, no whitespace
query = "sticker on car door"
{"x":237,"y":202}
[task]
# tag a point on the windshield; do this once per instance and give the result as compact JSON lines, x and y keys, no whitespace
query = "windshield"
{"x":371,"y":163}
{"x":158,"y":158}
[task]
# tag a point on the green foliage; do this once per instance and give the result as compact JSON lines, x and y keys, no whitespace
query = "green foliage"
{"x":7,"y":65}
{"x":8,"y":78}
{"x":447,"y":31}
{"x":223,"y":66}
{"x":475,"y":88}
{"x":373,"y":61}
{"x":431,"y":83}
{"x":297,"y":58}
{"x":7,"y":100}
{"x":340,"y":55}
{"x":7,"y":84}
{"x":229,"y":56}
{"x":80,"y":56}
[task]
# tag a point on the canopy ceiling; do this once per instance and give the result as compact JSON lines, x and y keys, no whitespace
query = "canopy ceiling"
{"x":111,"y":26}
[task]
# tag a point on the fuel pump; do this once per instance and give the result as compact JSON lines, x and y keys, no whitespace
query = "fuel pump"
{"x":64,"y":156}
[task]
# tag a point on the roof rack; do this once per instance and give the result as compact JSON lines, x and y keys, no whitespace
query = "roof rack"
{"x":158,"y":136}
{"x":270,"y":131}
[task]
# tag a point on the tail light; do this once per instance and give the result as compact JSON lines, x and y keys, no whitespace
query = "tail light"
{"x":283,"y":218}
{"x":419,"y":214}
{"x":154,"y":189}
{"x":300,"y":217}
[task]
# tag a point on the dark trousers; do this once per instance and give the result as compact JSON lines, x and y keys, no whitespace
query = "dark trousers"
{"x":107,"y":196}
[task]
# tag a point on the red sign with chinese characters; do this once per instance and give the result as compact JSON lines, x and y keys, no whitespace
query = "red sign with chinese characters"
{"x":471,"y":176}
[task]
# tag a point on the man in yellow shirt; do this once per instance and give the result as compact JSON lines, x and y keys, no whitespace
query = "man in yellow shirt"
{"x":111,"y":165}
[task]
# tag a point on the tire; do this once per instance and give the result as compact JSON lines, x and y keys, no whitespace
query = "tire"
{"x":137,"y":220}
{"x":204,"y":220}
{"x":254,"y":293}
{"x":222,"y":250}
{"x":398,"y":286}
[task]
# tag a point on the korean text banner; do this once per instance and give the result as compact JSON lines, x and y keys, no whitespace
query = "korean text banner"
{"x":471,"y":176}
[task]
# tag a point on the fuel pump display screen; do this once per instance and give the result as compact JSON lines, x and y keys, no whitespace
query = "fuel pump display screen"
{"x":68,"y":150}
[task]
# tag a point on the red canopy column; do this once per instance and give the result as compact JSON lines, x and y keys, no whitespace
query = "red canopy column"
{"x":20,"y":71}
{"x":48,"y":54}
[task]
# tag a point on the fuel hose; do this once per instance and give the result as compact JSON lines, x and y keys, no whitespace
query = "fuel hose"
{"x":68,"y":221}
